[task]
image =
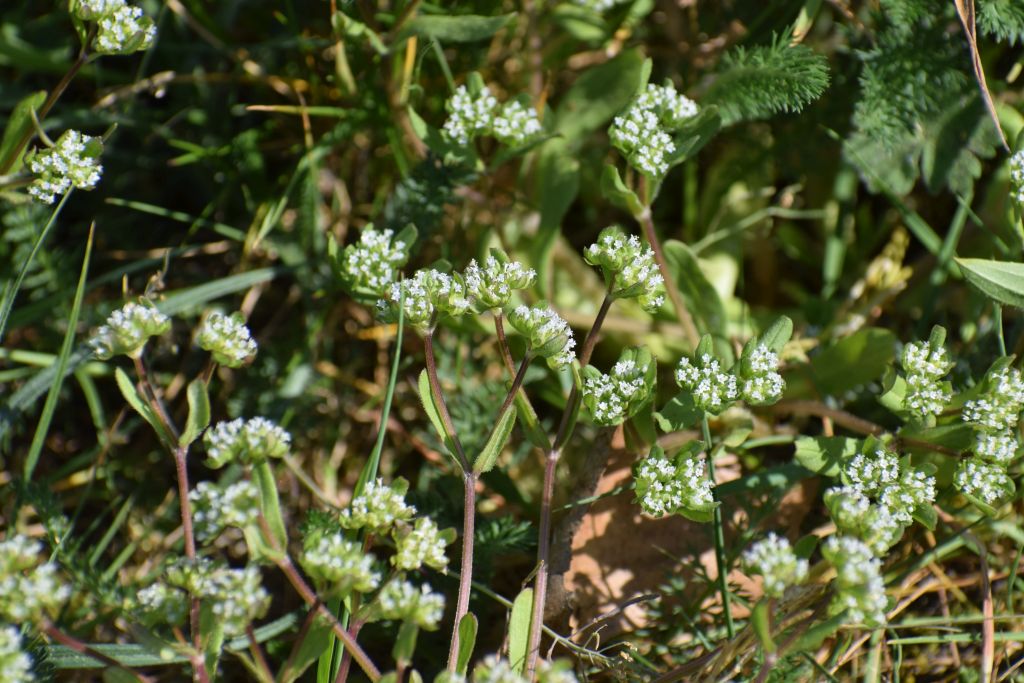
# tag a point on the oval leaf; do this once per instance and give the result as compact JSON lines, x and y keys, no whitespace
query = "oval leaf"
{"x":198,"y":412}
{"x":519,"y":629}
{"x":499,"y":437}
{"x":1001,"y":281}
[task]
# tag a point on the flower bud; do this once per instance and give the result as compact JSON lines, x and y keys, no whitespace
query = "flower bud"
{"x":491,"y":287}
{"x":773,"y":558}
{"x":227,"y":338}
{"x":245,"y":441}
{"x":547,"y":334}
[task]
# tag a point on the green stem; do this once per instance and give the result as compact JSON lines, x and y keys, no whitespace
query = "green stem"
{"x":999,"y":329}
{"x":720,"y":560}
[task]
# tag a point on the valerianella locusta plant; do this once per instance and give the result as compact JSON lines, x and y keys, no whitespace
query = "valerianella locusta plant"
{"x":617,"y":396}
{"x":760,"y":384}
{"x":29,"y":589}
{"x":235,"y":597}
{"x":73,"y":161}
{"x":516,"y":124}
{"x":983,"y":482}
{"x":338,"y":565}
{"x":127,"y":330}
{"x":547,"y":334}
{"x":121,"y":29}
{"x":491,"y":287}
{"x":421,"y":544}
{"x":469,"y":116}
{"x":873,"y":471}
{"x":215,"y":508}
{"x":673,"y":486}
{"x":643,"y":133}
{"x":1017,"y":176}
{"x":859,"y":589}
{"x":227,"y":338}
{"x":713,"y":388}
{"x":162,"y":605}
{"x":378,"y":508}
{"x":400,"y":600}
{"x":774,"y":559}
{"x":426,"y":295}
{"x":245,"y":441}
{"x":628,"y":267}
{"x":371,"y":265}
{"x":15,"y":665}
{"x":925,"y":364}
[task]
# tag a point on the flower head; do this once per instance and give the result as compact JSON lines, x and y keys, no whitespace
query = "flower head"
{"x":998,"y":408}
{"x":548,"y":335}
{"x":423,"y":544}
{"x":227,"y":338}
{"x":761,"y":384}
{"x":643,"y":132}
{"x":983,"y":481}
{"x":245,"y":441}
{"x":665,"y":487}
{"x":469,"y":116}
{"x":490,"y":287}
{"x":628,"y":267}
{"x":378,"y":508}
{"x":127,"y":329}
{"x":773,"y":558}
{"x":925,"y":364}
{"x":860,"y":590}
{"x":28,"y":589}
{"x":236,"y":596}
{"x":339,"y":565}
{"x":88,"y":10}
{"x":15,"y":665}
{"x":870,"y":473}
{"x":123,"y":31}
{"x":427,"y":293}
{"x":73,"y":161}
{"x":161,"y":604}
{"x":371,"y":265}
{"x":402,"y":601}
{"x":515,"y":124}
{"x":615,"y":397}
{"x":999,"y":448}
{"x":713,"y":388}
{"x":214,"y":508}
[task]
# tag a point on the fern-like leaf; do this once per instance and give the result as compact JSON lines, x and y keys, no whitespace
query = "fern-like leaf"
{"x":1002,"y":20}
{"x":758,"y":82}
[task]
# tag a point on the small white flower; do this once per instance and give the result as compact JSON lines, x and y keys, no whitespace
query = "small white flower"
{"x":377,"y":509}
{"x":713,"y":388}
{"x":372,"y":263}
{"x":227,"y":338}
{"x":73,"y":161}
{"x":998,"y":409}
{"x":127,"y":329}
{"x":162,"y":604}
{"x":871,"y":473}
{"x":340,"y":565}
{"x":663,"y":488}
{"x":614,"y":397}
{"x":1017,"y":176}
{"x":124,"y":30}
{"x":246,"y":441}
{"x":984,"y":481}
{"x":402,"y":601}
{"x":548,"y":334}
{"x":999,"y":447}
{"x":516,"y":125}
{"x":469,"y":116}
{"x":490,"y":287}
{"x":773,"y":558}
{"x":15,"y":665}
{"x":214,"y":508}
{"x":643,"y":132}
{"x":426,"y":293}
{"x":421,"y":545}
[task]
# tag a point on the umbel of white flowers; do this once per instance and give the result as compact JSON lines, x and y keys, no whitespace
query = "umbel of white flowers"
{"x":121,"y":29}
{"x":672,"y":486}
{"x":643,"y":133}
{"x":547,"y":334}
{"x":474,"y":115}
{"x":73,"y":161}
{"x":925,"y":364}
{"x":127,"y":330}
{"x":246,"y":442}
{"x":227,"y":339}
{"x":859,"y":588}
{"x":29,"y":589}
{"x":628,"y":266}
{"x":617,"y":396}
{"x":774,"y":559}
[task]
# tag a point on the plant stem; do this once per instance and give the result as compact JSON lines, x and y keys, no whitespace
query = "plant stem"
{"x":720,"y":561}
{"x":517,"y":382}
{"x":257,"y":654}
{"x":540,"y":586}
{"x":469,"y":479}
{"x":506,"y":354}
{"x":69,"y":641}
{"x":442,"y":407}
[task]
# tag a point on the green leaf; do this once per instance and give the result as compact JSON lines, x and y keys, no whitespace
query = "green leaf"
{"x":804,"y":547}
{"x":405,"y":642}
{"x":615,"y":191}
{"x":957,"y":436}
{"x":467,"y":641}
{"x":1001,"y":281}
{"x":558,"y":183}
{"x":597,"y":95}
{"x":430,"y":408}
{"x":134,"y":398}
{"x":825,"y":454}
{"x":700,"y":295}
{"x":760,"y":619}
{"x":499,"y":437}
{"x":270,"y":504}
{"x":926,"y":515}
{"x":19,"y":126}
{"x":777,"y":334}
{"x":678,"y":414}
{"x":198,"y":412}
{"x":519,"y":629}
{"x":694,"y":134}
{"x":316,"y":642}
{"x":854,"y":361}
{"x":530,"y":423}
{"x":466,"y":28}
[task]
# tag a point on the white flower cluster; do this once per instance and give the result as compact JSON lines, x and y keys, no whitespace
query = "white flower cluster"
{"x":402,"y":601}
{"x":628,"y":266}
{"x":426,"y":293}
{"x":423,"y":544}
{"x":925,"y":367}
{"x":215,"y":508}
{"x":162,"y":604}
{"x":473,"y":116}
{"x":897,"y":491}
{"x":549,"y":336}
{"x":28,"y":590}
{"x":860,"y":590}
{"x":516,"y":125}
{"x":643,"y":132}
{"x":1017,"y":176}
{"x":227,"y":338}
{"x":773,"y":558}
{"x":713,"y":388}
{"x":371,"y":265}
{"x":616,"y":396}
{"x":127,"y":329}
{"x":664,"y":487}
{"x":761,"y":383}
{"x":995,"y":415}
{"x":120,"y":28}
{"x":378,"y":508}
{"x":491,"y":286}
{"x":340,"y":565}
{"x":983,"y":481}
{"x":495,"y":669}
{"x":246,"y":441}
{"x":237,"y":596}
{"x":73,"y":161}
{"x":15,"y":665}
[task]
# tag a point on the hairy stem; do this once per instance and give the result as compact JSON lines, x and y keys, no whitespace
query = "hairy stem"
{"x":720,"y":562}
{"x":442,"y":406}
{"x":466,"y":568}
{"x":540,"y":586}
{"x":69,"y":641}
{"x":257,"y":654}
{"x":506,"y":354}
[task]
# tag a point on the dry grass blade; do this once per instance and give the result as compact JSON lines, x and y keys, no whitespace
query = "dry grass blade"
{"x":965,"y":9}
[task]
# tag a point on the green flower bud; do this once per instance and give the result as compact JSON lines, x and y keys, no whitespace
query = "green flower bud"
{"x":548,"y":335}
